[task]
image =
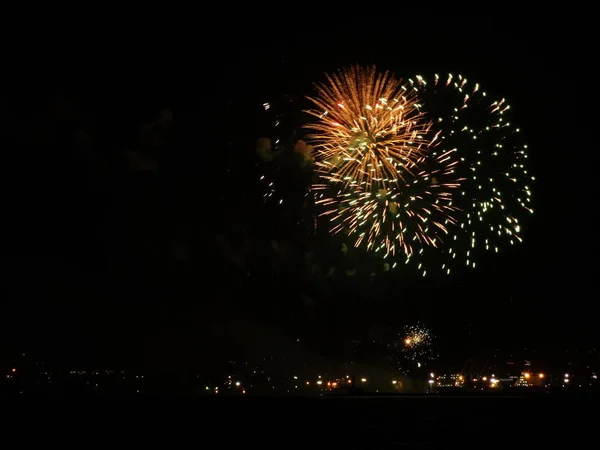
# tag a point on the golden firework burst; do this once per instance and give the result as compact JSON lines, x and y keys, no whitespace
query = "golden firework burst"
{"x":370,"y":132}
{"x":378,"y":179}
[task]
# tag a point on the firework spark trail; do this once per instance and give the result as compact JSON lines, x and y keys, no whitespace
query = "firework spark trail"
{"x":378,"y":179}
{"x":495,"y":195}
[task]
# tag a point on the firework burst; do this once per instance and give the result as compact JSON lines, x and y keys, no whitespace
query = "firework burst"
{"x":369,"y":131}
{"x":416,"y":337}
{"x":378,"y":181}
{"x":495,"y":195}
{"x":413,"y":348}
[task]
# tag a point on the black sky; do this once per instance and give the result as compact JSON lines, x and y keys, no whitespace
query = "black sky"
{"x":77,"y":283}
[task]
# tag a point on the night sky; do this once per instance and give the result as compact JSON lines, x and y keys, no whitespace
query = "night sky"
{"x":110,"y":258}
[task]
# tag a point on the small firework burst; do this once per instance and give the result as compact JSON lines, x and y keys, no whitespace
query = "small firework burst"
{"x":412,"y":349}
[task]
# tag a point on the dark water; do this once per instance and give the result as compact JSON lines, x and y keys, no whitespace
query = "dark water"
{"x":397,"y":422}
{"x":434,"y":421}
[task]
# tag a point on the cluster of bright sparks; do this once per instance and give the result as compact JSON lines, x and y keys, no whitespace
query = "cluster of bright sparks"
{"x":418,"y":169}
{"x":416,"y":336}
{"x":379,"y":181}
{"x":270,"y":193}
{"x":414,"y":345}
